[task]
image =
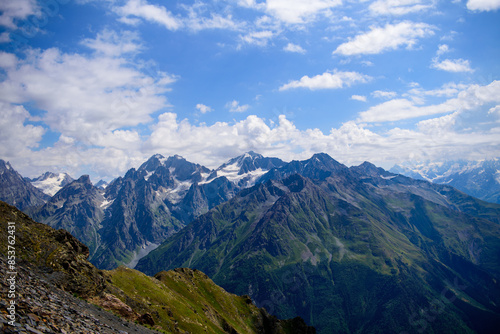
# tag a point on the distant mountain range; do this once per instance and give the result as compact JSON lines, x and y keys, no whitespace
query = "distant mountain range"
{"x":124,"y":220}
{"x":349,"y":249}
{"x":480,"y":179}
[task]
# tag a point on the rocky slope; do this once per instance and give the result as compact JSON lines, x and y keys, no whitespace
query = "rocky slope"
{"x":350,"y":250}
{"x":52,"y":271}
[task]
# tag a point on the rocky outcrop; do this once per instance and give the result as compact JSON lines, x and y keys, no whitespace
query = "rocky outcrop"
{"x":56,"y":253}
{"x":40,"y":307}
{"x":16,"y":191}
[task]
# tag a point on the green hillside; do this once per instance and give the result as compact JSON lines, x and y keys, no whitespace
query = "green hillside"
{"x":351,"y":254}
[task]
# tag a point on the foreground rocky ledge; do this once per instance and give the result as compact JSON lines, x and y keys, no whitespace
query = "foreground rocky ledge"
{"x":43,"y":308}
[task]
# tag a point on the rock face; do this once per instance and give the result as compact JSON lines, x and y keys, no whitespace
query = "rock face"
{"x":52,"y":269}
{"x":55,"y":252}
{"x":17,"y":191}
{"x":77,"y":209}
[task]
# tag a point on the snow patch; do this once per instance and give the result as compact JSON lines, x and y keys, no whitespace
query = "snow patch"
{"x":105,"y":204}
{"x":142,"y":252}
{"x":51,"y":185}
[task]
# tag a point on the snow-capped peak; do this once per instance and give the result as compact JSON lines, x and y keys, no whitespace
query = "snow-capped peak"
{"x":51,"y":183}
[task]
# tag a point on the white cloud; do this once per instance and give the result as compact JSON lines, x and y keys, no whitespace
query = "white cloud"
{"x":290,"y":47}
{"x":11,"y":11}
{"x":135,"y":9}
{"x":234,"y":106}
{"x":449,"y":65}
{"x":200,"y":17}
{"x":215,"y":21}
{"x":483,"y":5}
{"x":384,"y":94}
{"x":495,"y":110}
{"x":399,"y":7}
{"x":327,"y":80}
{"x":15,"y":135}
{"x":474,"y":96}
{"x":452,"y":65}
{"x":442,"y":49}
{"x":203,"y":108}
{"x":298,"y":11}
{"x":389,"y":37}
{"x":89,"y":97}
{"x":258,"y":38}
{"x":110,"y":43}
{"x":358,"y":98}
{"x":351,"y":143}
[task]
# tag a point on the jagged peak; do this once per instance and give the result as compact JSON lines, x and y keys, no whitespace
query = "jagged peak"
{"x":324,"y":158}
{"x":84,"y":179}
{"x":5,"y":165}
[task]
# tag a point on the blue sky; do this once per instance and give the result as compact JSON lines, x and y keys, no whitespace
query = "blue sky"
{"x":98,"y":86}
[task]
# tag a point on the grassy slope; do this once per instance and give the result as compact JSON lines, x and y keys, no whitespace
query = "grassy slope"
{"x":374,"y":263}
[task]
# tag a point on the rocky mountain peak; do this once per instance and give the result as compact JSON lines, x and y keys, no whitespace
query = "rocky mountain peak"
{"x":4,"y":165}
{"x":17,"y":191}
{"x":50,"y":183}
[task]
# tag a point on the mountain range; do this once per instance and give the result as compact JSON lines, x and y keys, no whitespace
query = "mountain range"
{"x":480,"y":179}
{"x":348,"y":249}
{"x":133,"y":214}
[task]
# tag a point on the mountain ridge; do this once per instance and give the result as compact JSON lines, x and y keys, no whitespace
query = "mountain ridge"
{"x":480,"y":179}
{"x":137,"y":211}
{"x":342,"y":244}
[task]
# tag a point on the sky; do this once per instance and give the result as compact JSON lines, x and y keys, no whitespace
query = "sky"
{"x":98,"y":86}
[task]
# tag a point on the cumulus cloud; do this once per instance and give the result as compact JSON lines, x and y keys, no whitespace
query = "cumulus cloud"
{"x":327,"y":80}
{"x":234,"y":106}
{"x":483,"y":5}
{"x":449,"y":65}
{"x":12,"y":11}
{"x":200,"y":17}
{"x":110,"y":43}
{"x":384,"y":94}
{"x":351,"y":143}
{"x":86,"y":97}
{"x":452,"y":65}
{"x":290,"y":47}
{"x":474,"y":96}
{"x":297,"y":11}
{"x":358,"y":98}
{"x":134,"y":10}
{"x":15,"y":135}
{"x":203,"y":108}
{"x":389,"y":37}
{"x":258,"y":38}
